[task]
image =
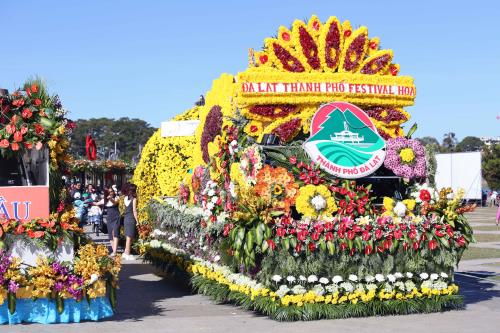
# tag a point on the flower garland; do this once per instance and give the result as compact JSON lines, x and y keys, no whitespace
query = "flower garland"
{"x":406,"y":158}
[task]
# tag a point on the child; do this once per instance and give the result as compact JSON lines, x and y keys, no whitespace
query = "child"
{"x":95,"y":216}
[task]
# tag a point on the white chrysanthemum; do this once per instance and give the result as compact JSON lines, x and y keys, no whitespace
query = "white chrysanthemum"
{"x":318,"y":289}
{"x":282,"y":291}
{"x":371,"y":286}
{"x":444,"y":275}
{"x":299,"y":289}
{"x":400,"y":285}
{"x":424,"y":276}
{"x":391,"y":278}
{"x":400,"y":209}
{"x":379,"y":277}
{"x":369,"y":278}
{"x":210,"y":206}
{"x":337,"y":279}
{"x":302,"y":278}
{"x":318,"y":202}
{"x":409,"y":285}
{"x":332,"y":288}
{"x":312,"y":278}
{"x":409,"y":275}
{"x":276,"y":278}
{"x":398,"y":275}
{"x":434,"y":276}
{"x":290,"y":278}
{"x":353,"y":277}
{"x":347,"y":286}
{"x":323,"y":280}
{"x":211,"y":193}
{"x":214,"y":199}
{"x":155,"y":244}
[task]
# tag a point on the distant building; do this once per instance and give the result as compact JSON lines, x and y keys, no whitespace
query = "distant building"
{"x":490,"y":141}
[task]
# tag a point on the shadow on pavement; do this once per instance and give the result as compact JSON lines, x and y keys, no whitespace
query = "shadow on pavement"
{"x":141,"y":293}
{"x":475,"y":288}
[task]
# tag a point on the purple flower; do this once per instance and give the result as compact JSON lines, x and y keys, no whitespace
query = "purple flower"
{"x":393,"y":161}
{"x":58,"y":286}
{"x":13,"y":287}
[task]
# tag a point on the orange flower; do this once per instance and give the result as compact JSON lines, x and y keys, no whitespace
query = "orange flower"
{"x":14,"y":146}
{"x":277,"y":186}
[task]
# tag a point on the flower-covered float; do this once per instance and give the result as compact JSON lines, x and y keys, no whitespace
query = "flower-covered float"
{"x":49,"y":271}
{"x":299,"y":195}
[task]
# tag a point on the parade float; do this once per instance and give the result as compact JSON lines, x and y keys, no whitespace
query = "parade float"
{"x":299,"y":194}
{"x":49,"y":271}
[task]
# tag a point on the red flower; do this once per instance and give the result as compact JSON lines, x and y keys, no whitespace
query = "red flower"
{"x":253,"y":128}
{"x":4,"y":143}
{"x":368,"y":249}
{"x":312,"y":246}
{"x":449,"y":231}
{"x":10,"y":128}
{"x":406,"y":246}
{"x":342,"y":203}
{"x":461,"y":241}
{"x":271,"y":244}
{"x":341,"y":233}
{"x":433,"y":244}
{"x":18,"y":137}
{"x":38,"y":234}
{"x":329,"y":236}
{"x":343,"y":191}
{"x":387,"y":244}
{"x":315,"y":236}
{"x":398,"y":234}
{"x":425,"y":195}
{"x":281,"y":232}
{"x":412,"y":234}
{"x":378,"y":233}
{"x":298,"y":247}
{"x":293,"y":159}
{"x":366,"y":235}
{"x":343,"y":246}
{"x":24,"y":129}
{"x":34,"y":88}
{"x":301,"y":235}
{"x":18,"y":102}
{"x":37,"y":102}
{"x":328,"y":226}
{"x":439,"y":233}
{"x":416,"y":245}
{"x":39,"y":129}
{"x":14,"y":146}
{"x":351,"y":234}
{"x":26,"y":114}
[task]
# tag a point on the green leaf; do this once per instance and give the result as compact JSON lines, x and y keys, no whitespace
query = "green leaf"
{"x":267,"y":231}
{"x":264,"y":246}
{"x":59,"y":303}
{"x":259,"y":234}
{"x":412,"y":130}
{"x":11,"y":297}
{"x":331,"y":247}
{"x":285,"y":243}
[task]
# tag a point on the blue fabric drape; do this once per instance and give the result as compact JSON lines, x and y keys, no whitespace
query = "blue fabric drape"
{"x":44,"y":311}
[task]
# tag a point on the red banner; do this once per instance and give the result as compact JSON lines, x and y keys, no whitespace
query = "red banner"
{"x":24,"y":202}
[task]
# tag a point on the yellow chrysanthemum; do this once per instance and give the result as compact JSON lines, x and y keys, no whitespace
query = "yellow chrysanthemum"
{"x":407,"y":155}
{"x":315,"y":201}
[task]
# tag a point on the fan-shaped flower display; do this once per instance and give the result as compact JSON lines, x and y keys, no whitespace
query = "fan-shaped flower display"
{"x":277,"y":186}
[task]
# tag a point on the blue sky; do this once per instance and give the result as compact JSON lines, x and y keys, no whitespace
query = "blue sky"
{"x":152,"y":59}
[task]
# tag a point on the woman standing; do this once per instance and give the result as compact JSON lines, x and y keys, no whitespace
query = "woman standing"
{"x":113,"y":218}
{"x":130,"y":219}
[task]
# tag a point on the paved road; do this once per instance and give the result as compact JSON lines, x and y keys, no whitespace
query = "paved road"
{"x":148,"y":303}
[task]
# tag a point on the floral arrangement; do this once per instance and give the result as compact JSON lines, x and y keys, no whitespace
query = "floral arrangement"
{"x":297,"y":238}
{"x":92,"y":275}
{"x":51,"y":231}
{"x":32,"y":119}
{"x":406,"y":158}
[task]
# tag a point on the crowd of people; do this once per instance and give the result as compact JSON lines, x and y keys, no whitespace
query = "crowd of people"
{"x":108,"y":210}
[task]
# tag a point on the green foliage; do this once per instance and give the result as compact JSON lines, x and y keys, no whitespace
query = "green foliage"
{"x":128,"y":134}
{"x":470,"y":143}
{"x":491,"y":166}
{"x":430,"y":159}
{"x":323,"y":264}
